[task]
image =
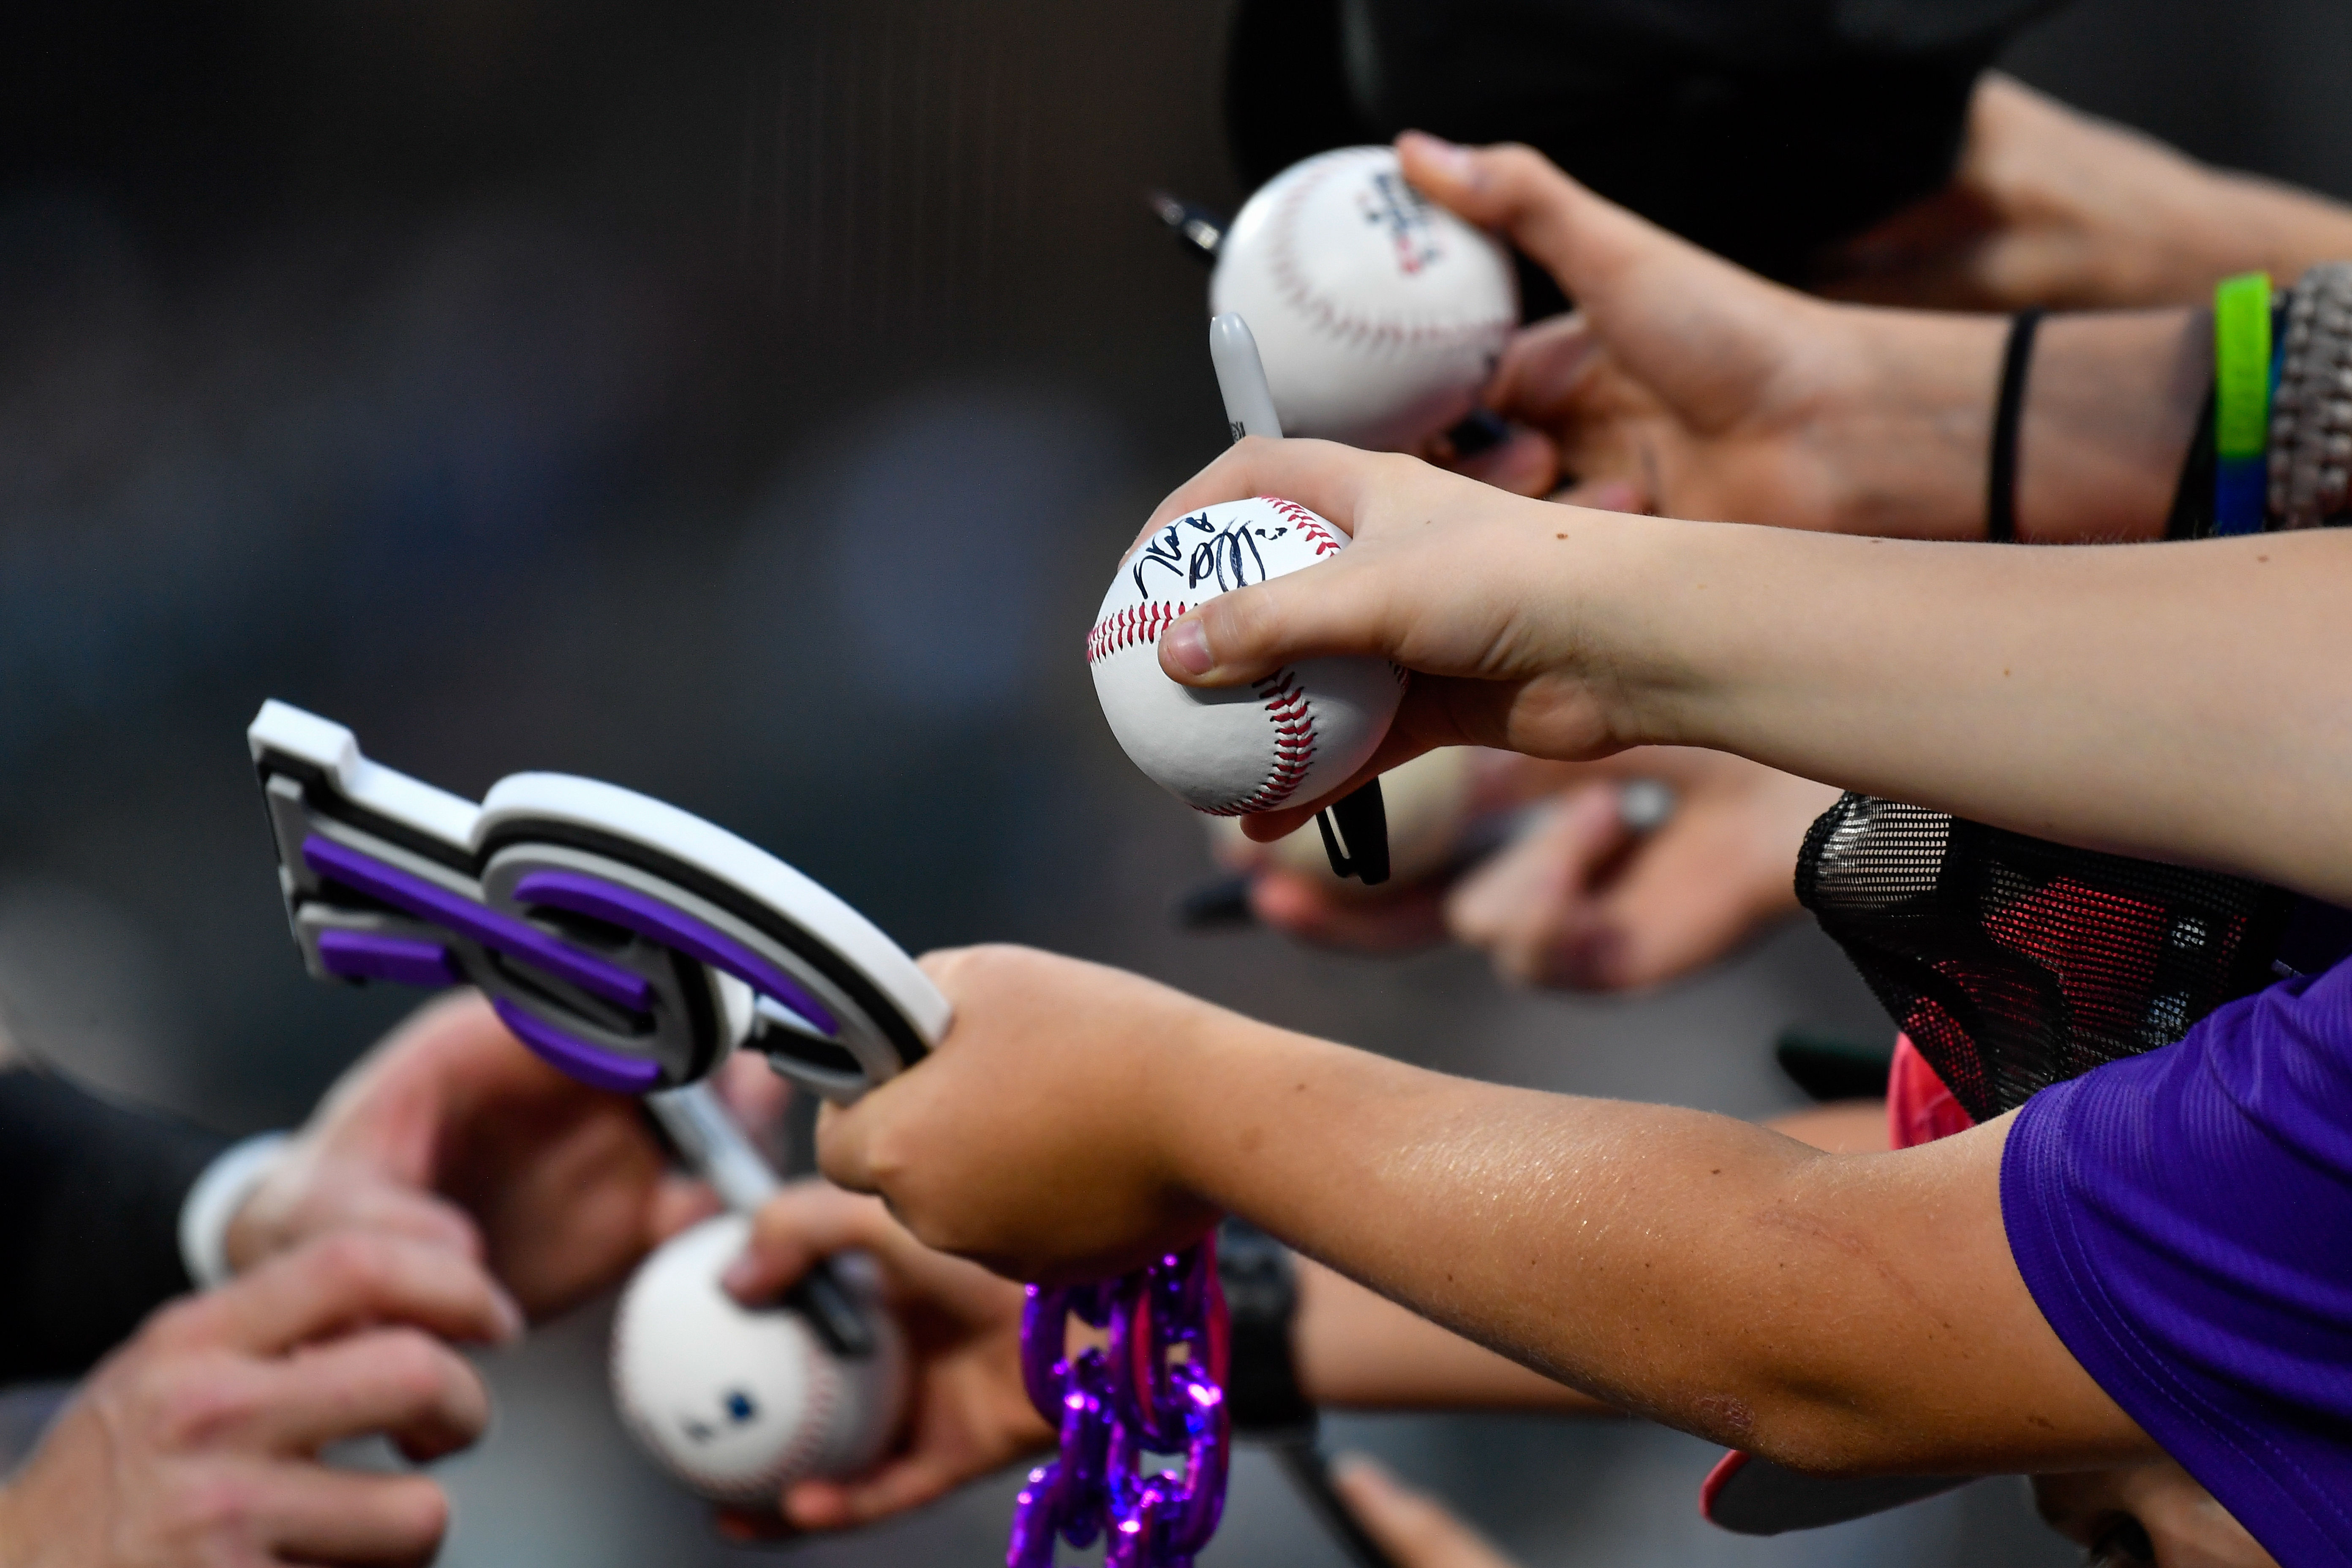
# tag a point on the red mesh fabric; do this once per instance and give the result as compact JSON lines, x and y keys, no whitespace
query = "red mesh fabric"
{"x":2013,"y":963}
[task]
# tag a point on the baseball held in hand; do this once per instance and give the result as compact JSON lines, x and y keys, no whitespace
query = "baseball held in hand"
{"x":1378,"y":313}
{"x":737,"y":1402}
{"x":1286,"y":740}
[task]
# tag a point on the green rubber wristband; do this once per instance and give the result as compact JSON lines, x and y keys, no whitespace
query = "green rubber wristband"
{"x":2241,"y":366}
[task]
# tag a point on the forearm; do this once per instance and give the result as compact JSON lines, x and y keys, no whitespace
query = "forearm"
{"x":2243,"y":223}
{"x":2111,"y":404}
{"x":1711,"y":1274}
{"x":1355,"y":1349}
{"x":2101,"y":697}
{"x":2053,"y":206}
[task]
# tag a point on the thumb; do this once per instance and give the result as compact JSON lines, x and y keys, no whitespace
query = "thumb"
{"x":805,"y":1222}
{"x":1585,"y":241}
{"x":1649,"y":292}
{"x":1335,"y":606}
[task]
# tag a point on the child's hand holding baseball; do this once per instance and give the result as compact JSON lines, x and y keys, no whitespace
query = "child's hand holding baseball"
{"x":1482,"y":595}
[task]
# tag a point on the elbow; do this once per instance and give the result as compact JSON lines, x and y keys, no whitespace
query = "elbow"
{"x":1817,"y":1449}
{"x":1816,"y":1433}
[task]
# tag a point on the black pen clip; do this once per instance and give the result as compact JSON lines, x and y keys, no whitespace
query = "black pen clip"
{"x":1359,"y":845}
{"x":832,"y":1308}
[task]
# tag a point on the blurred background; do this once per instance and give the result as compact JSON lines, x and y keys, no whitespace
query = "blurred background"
{"x":743,"y":403}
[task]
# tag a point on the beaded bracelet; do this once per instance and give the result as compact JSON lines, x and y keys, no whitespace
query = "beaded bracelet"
{"x":2311,"y":418}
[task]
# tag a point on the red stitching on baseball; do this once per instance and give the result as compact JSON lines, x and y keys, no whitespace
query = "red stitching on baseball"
{"x":1124,"y":629}
{"x":1313,"y":528}
{"x":1286,"y":704}
{"x":828,"y":1398}
{"x":827,"y":1392}
{"x":1345,"y":324}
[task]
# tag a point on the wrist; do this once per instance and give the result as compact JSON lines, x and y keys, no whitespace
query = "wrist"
{"x":2251,"y":224}
{"x":1651,"y":614}
{"x":1227,"y":1108}
{"x":214,"y":1243}
{"x":2193,"y":224}
{"x":1902,"y":443}
{"x":2111,"y":401}
{"x":247,"y":1238}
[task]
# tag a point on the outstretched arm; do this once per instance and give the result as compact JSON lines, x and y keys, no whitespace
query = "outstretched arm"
{"x":968,"y":1415}
{"x":2053,"y":206}
{"x":2108,"y":698}
{"x":1835,"y":1312}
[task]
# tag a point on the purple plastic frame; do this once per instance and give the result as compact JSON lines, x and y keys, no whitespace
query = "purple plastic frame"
{"x":378,"y":955}
{"x":632,"y":911}
{"x":411,"y":894}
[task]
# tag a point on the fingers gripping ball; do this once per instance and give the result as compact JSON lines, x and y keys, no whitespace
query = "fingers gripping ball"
{"x":1379,"y":314}
{"x":736,"y":1402}
{"x":1294,"y":735}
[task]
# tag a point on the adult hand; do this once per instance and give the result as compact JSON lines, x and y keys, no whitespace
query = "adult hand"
{"x":1412,"y":1528}
{"x":967,"y":1412}
{"x":1049,"y":1068}
{"x":196,"y":1442}
{"x":1588,"y":901}
{"x":450,"y":1132}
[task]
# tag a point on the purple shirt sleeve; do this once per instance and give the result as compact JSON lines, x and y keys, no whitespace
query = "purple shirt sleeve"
{"x":2184,"y":1221}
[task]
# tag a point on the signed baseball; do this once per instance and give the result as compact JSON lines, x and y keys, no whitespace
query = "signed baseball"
{"x":736,"y":1402}
{"x":1378,"y":313}
{"x":1290,"y":737}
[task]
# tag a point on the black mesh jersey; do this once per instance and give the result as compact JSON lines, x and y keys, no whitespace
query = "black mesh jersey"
{"x":2013,"y":962}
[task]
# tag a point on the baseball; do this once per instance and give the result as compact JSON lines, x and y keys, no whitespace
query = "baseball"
{"x":1290,"y":737}
{"x":1379,"y":314}
{"x":1428,"y":803}
{"x":736,"y":1403}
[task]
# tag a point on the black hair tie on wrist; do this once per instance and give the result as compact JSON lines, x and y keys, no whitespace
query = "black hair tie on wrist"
{"x":2000,"y":479}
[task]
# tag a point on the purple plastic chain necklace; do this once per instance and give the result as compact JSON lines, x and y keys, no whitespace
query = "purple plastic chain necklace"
{"x":1117,"y":1403}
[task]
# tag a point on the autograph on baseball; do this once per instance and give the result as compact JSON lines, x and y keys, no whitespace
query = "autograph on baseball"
{"x":1230,"y":554}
